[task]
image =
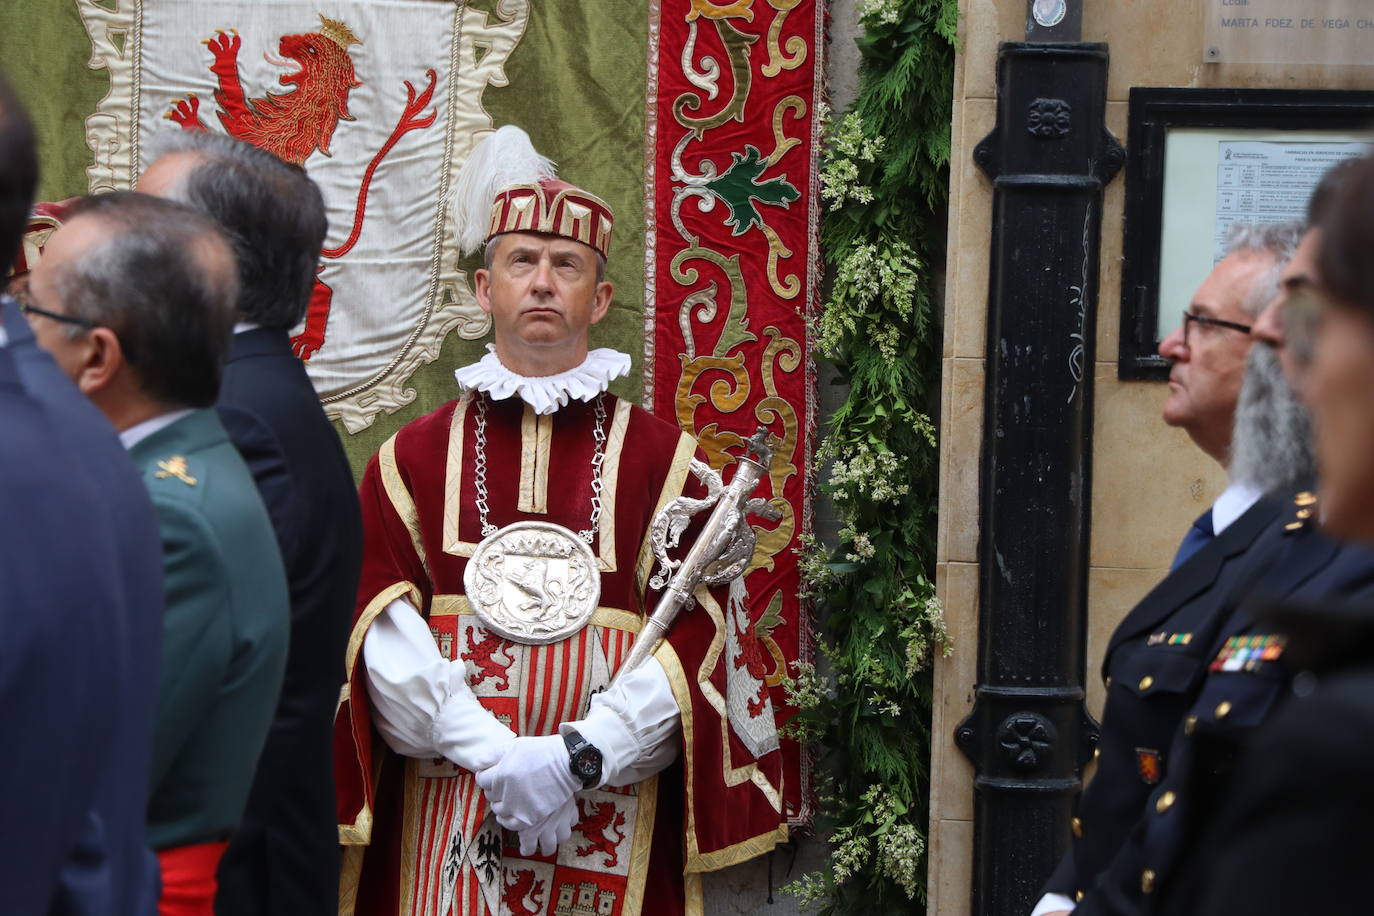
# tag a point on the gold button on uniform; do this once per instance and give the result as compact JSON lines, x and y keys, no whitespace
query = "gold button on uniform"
{"x":1147,"y":880}
{"x":1108,"y":682}
{"x":1077,"y":827}
{"x":1078,"y":895}
{"x":1223,"y":709}
{"x":1189,"y":725}
{"x":1166,"y":801}
{"x":1097,"y":752}
{"x":1146,"y":682}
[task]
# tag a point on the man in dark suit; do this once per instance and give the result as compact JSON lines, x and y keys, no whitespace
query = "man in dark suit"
{"x":1157,"y":656}
{"x":284,"y":859}
{"x":81,"y":617}
{"x":134,"y":298}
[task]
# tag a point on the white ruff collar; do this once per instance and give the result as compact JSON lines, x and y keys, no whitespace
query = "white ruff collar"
{"x":545,"y":393}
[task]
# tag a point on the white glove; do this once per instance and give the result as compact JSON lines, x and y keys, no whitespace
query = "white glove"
{"x":530,"y":782}
{"x":548,"y":835}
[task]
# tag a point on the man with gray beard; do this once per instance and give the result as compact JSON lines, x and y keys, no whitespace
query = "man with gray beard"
{"x":1271,"y":448}
{"x":1313,"y":574}
{"x":1246,"y":675}
{"x":1159,"y":652}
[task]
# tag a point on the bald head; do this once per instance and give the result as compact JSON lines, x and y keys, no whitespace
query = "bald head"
{"x":157,"y":275}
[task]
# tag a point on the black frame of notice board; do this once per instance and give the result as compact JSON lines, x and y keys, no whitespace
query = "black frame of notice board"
{"x":1154,"y":112}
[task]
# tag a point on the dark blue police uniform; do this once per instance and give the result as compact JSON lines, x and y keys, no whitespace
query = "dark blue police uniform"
{"x":64,"y":668}
{"x":123,"y":877}
{"x":1152,"y":667}
{"x":1245,"y":676}
{"x":1293,"y":833}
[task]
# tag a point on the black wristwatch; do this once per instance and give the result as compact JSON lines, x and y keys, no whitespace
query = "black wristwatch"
{"x":583,"y":759}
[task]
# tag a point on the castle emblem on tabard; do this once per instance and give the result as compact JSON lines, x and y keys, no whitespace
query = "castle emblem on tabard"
{"x":379,"y":103}
{"x":533,"y":582}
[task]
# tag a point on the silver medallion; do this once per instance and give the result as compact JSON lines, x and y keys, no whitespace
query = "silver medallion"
{"x":533,"y":582}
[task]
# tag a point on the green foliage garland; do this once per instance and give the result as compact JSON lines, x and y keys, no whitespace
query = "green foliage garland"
{"x":885,"y":184}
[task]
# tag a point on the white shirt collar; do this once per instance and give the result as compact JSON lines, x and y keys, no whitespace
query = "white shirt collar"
{"x":241,"y":326}
{"x":140,"y":431}
{"x":1233,"y":502}
{"x":545,"y":393}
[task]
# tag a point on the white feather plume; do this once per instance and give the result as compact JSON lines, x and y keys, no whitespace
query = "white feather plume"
{"x":505,"y":158}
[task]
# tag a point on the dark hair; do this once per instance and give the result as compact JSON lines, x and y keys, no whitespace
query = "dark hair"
{"x":18,"y":173}
{"x":162,"y":279}
{"x":1346,"y":259}
{"x":272,"y":213}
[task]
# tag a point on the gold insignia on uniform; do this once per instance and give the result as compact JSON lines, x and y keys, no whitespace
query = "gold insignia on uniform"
{"x":175,"y":467}
{"x":1149,"y":764}
{"x":1305,"y":498}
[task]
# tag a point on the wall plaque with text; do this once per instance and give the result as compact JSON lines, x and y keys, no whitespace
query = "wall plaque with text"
{"x":1289,"y":31}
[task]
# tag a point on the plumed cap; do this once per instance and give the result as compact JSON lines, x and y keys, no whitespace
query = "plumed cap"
{"x":554,"y":207}
{"x":506,"y":186}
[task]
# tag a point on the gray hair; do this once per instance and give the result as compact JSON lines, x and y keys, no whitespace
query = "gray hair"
{"x":271,"y":211}
{"x":162,"y":279}
{"x":1272,"y":444}
{"x":1279,"y":241}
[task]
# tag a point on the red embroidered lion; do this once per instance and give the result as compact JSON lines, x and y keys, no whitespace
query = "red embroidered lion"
{"x":524,"y":886}
{"x":601,"y":827}
{"x":296,"y":124}
{"x":482,"y":655}
{"x":754,"y":658}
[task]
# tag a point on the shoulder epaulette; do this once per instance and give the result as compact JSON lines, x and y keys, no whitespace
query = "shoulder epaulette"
{"x":1306,"y":503}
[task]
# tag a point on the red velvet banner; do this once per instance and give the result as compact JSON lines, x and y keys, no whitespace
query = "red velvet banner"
{"x":731,"y":265}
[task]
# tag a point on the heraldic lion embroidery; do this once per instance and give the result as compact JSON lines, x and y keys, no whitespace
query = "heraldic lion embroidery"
{"x":297,"y":123}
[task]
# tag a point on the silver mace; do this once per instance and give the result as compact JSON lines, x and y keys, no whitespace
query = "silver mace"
{"x":722,"y":550}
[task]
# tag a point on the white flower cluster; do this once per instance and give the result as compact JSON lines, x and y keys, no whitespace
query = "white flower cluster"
{"x":871,"y":276}
{"x":929,"y":627}
{"x":875,"y":473}
{"x":899,"y":854}
{"x":863,"y":549}
{"x":807,"y":689}
{"x":848,"y":854}
{"x":880,"y":12}
{"x":840,"y":171}
{"x":814,"y":565}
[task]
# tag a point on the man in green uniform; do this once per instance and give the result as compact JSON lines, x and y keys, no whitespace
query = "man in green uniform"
{"x":134,"y":298}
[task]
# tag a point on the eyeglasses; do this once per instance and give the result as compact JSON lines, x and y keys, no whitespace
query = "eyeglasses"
{"x":26,"y":306}
{"x":1189,"y":318}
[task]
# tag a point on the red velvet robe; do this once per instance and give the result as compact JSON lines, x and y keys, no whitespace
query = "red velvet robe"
{"x":419,"y":837}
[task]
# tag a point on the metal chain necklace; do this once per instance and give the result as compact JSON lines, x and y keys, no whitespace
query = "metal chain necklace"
{"x":598,"y":457}
{"x":534,"y":582}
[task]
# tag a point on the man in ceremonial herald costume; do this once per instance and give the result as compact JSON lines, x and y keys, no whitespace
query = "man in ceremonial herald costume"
{"x":483,"y":765}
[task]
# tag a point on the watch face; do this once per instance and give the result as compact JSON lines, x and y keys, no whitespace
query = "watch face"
{"x":586,"y":764}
